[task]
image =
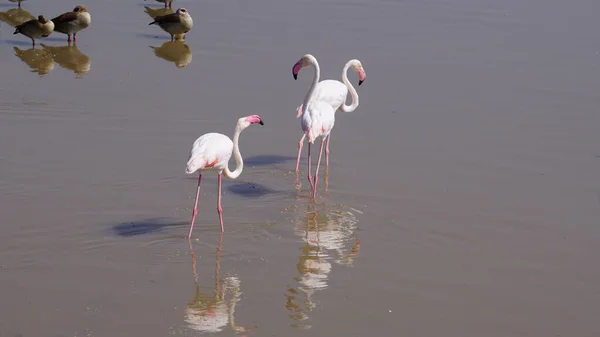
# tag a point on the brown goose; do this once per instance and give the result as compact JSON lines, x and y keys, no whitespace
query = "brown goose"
{"x":72,"y":22}
{"x":35,"y":29}
{"x":179,"y":22}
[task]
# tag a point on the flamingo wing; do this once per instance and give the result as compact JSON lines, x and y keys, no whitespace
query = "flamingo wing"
{"x":330,"y":91}
{"x":209,"y":152}
{"x":333,"y":92}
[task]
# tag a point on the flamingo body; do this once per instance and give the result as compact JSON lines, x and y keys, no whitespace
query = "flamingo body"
{"x":210,"y":152}
{"x":333,"y":92}
{"x":318,"y":120}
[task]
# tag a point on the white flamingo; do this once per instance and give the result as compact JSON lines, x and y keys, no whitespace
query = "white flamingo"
{"x":211,"y":152}
{"x":334,"y":92}
{"x":318,"y":117}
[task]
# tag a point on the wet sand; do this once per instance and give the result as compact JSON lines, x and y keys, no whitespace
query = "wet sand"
{"x":463,"y":194}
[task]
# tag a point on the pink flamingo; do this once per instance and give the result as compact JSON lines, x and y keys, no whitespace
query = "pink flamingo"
{"x":334,"y":92}
{"x":211,"y":152}
{"x":318,"y":116}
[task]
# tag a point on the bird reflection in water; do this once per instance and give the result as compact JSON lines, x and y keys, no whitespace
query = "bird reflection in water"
{"x":70,"y":57}
{"x":325,"y":181}
{"x":213,"y":312}
{"x":16,"y":16}
{"x":176,"y":52}
{"x":40,"y":61}
{"x":328,"y":236}
{"x":154,"y":12}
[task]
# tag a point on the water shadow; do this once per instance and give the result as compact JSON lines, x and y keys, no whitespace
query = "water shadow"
{"x":21,"y":43}
{"x":155,"y":36}
{"x":328,"y":236}
{"x":263,"y":160}
{"x":54,"y":39}
{"x":146,"y":226}
{"x":213,"y":307}
{"x":250,"y":190}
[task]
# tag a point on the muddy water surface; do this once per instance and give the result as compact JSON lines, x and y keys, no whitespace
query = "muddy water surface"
{"x":463,"y":196}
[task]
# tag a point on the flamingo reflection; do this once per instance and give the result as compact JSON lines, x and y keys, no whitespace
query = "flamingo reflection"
{"x":213,"y":312}
{"x":327,"y":236}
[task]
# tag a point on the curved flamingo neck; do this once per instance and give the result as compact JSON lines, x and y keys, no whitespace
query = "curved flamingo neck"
{"x":239,"y":163}
{"x":315,"y":81}
{"x":353,"y":93}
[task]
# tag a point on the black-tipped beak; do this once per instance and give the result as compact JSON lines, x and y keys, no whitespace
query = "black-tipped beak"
{"x":360,"y":82}
{"x":261,"y":122}
{"x":295,"y":76}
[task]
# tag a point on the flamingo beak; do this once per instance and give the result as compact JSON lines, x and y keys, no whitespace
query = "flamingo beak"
{"x":296,"y":68}
{"x":261,"y":122}
{"x":361,"y":76}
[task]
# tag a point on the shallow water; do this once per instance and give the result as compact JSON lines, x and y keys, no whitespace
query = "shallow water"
{"x":463,"y":196}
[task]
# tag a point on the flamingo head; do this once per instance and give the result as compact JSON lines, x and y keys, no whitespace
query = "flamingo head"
{"x":245,"y":122}
{"x":182,"y":11}
{"x":80,"y":8}
{"x":306,"y":60}
{"x":357,"y":66}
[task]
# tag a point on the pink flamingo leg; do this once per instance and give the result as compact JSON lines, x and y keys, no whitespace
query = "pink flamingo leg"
{"x":68,"y":37}
{"x":317,"y":171}
{"x":195,"y":211}
{"x":74,"y":37}
{"x":300,"y":144}
{"x":309,"y":164}
{"x":219,"y":208}
{"x":327,"y":155}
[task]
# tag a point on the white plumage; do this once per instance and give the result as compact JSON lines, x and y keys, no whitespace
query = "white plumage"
{"x":334,"y":93}
{"x":211,"y":152}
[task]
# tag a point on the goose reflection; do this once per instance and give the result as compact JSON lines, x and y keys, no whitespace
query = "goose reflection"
{"x":328,"y":236}
{"x":154,"y":12}
{"x":70,"y":57}
{"x":16,"y":16}
{"x":38,"y":60}
{"x":174,"y":51}
{"x":211,"y":312}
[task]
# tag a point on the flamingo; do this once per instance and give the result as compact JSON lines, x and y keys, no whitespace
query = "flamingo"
{"x":211,"y":152}
{"x":318,"y":116}
{"x":334,"y":92}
